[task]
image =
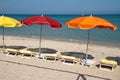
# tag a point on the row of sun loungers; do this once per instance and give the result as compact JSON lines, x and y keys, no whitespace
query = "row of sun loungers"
{"x":47,"y":53}
{"x":30,"y":52}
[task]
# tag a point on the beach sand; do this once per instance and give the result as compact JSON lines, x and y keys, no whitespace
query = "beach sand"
{"x":17,"y":68}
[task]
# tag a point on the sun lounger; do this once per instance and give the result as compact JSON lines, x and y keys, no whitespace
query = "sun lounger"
{"x":47,"y":56}
{"x":14,"y":50}
{"x":45,"y":53}
{"x":51,"y":56}
{"x":109,"y":63}
{"x":68,"y":59}
{"x":26,"y":52}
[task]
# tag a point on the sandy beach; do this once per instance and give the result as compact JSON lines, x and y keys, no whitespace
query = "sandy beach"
{"x":12,"y":68}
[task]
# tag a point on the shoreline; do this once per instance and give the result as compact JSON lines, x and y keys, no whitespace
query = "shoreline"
{"x":70,"y":40}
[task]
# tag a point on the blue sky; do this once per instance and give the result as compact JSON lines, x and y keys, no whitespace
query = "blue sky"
{"x":59,"y":6}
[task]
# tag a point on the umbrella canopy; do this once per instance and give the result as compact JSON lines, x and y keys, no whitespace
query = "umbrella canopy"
{"x":41,"y":20}
{"x":8,"y":22}
{"x":88,"y":23}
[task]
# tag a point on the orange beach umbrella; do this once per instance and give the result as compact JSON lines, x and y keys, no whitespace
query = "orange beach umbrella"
{"x":88,"y":23}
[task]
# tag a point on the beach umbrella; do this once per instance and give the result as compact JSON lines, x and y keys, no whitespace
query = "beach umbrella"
{"x":88,"y":23}
{"x":8,"y":22}
{"x":41,"y":20}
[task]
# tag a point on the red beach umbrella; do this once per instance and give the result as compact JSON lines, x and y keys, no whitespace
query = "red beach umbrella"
{"x":41,"y":20}
{"x":88,"y":23}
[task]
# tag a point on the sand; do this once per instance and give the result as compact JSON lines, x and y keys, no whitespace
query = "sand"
{"x":17,"y":68}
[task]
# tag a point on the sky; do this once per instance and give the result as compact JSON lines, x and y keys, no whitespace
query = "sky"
{"x":59,"y":6}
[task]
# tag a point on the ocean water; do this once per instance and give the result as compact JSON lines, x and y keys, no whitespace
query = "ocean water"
{"x":96,"y":35}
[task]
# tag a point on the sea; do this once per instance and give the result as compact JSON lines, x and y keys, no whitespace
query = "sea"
{"x":102,"y":36}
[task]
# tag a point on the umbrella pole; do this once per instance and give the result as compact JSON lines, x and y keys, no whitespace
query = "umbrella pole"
{"x":87,"y":45}
{"x":40,"y":40}
{"x":3,"y":38}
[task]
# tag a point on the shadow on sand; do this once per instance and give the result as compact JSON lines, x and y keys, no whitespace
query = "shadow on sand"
{"x":79,"y":76}
{"x":117,"y":59}
{"x":77,"y":55}
{"x":43,"y":50}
